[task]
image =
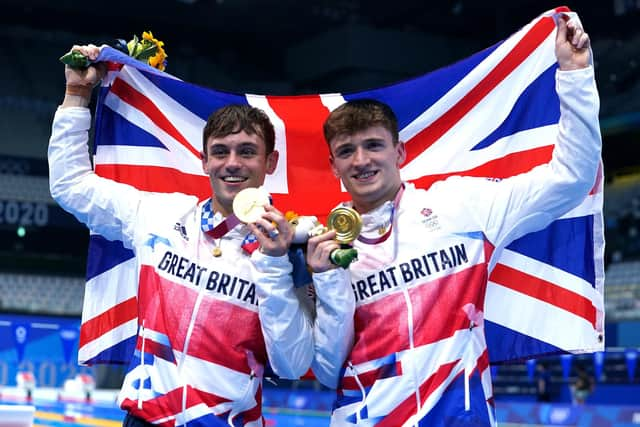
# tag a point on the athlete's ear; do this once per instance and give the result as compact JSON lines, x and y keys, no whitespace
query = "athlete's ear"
{"x":402,"y":153}
{"x":333,"y":166}
{"x":272,"y":161}
{"x":203,"y":158}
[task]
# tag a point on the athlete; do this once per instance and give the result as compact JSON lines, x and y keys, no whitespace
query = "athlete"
{"x":420,"y":355}
{"x":211,"y":311}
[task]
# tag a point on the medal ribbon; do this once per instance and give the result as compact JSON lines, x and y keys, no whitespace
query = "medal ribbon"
{"x":385,"y":236}
{"x":224,"y":227}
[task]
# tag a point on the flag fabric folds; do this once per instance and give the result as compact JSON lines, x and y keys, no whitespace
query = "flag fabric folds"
{"x":493,"y":114}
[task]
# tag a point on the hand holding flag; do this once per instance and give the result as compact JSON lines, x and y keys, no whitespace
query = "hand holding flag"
{"x":572,"y":43}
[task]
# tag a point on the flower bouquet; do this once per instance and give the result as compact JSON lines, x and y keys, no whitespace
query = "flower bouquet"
{"x":146,"y":49}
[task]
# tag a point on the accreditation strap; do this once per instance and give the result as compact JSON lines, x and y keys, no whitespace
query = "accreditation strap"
{"x":224,"y":227}
{"x":385,"y":236}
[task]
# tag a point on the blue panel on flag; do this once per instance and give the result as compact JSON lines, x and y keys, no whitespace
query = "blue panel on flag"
{"x":104,"y":255}
{"x":535,"y":107}
{"x":566,"y":244}
{"x":411,"y":98}
{"x":506,"y":344}
{"x":210,"y":420}
{"x":119,"y":354}
{"x":449,"y":411}
{"x":199,"y":100}
{"x":116,"y":130}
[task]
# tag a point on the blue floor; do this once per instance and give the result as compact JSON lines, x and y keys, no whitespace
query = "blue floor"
{"x":77,"y":414}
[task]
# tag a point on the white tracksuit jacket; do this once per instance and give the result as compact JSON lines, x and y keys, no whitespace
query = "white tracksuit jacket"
{"x":420,"y":354}
{"x":207,"y":325}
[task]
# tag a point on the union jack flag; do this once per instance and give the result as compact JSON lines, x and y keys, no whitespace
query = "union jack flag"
{"x":493,"y":114}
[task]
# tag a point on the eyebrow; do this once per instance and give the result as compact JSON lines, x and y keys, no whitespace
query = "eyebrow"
{"x":365,"y":141}
{"x":242,"y":144}
{"x":374,"y":140}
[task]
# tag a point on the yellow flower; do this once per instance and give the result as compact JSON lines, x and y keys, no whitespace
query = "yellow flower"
{"x":158,"y":60}
{"x":147,"y":35}
{"x":148,"y":49}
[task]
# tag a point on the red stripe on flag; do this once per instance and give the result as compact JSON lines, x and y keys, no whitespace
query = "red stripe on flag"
{"x":114,"y":66}
{"x":157,"y":179}
{"x":136,"y":99}
{"x":483,"y":361}
{"x":407,"y":408}
{"x":313,"y":189}
{"x":504,"y":167}
{"x":542,"y":290}
{"x":536,"y":35}
{"x":103,"y":323}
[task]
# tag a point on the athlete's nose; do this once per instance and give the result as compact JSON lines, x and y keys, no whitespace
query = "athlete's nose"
{"x":360,"y":156}
{"x":233,"y":161}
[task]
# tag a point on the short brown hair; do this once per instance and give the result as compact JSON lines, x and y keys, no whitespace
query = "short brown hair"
{"x":358,"y":115}
{"x":235,"y":118}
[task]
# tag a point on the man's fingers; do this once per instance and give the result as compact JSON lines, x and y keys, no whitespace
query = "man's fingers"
{"x":316,"y":240}
{"x":276,"y":216}
{"x":267,"y":228}
{"x":324,"y":249}
{"x":584,"y":41}
{"x":90,"y":51}
{"x":562,"y":27}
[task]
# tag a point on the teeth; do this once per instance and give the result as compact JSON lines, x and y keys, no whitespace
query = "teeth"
{"x":234,"y":179}
{"x":365,"y":175}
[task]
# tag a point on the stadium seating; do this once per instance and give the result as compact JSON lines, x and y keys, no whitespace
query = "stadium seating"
{"x":25,"y":188}
{"x":41,"y":294}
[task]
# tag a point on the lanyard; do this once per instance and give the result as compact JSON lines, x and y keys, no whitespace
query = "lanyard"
{"x":385,"y":236}
{"x":224,"y":227}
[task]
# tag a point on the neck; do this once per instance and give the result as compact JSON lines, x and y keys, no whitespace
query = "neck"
{"x":223,"y":209}
{"x":365,"y":206}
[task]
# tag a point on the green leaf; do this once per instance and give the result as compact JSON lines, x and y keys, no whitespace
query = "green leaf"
{"x":132,"y":44}
{"x":147,"y":52}
{"x":75,"y":60}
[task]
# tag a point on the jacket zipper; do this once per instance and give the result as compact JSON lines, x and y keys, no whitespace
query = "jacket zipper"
{"x":142,"y":334}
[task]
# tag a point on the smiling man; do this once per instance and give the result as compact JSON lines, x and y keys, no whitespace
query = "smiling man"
{"x":238,"y":151}
{"x":419,"y":355}
{"x":211,"y":311}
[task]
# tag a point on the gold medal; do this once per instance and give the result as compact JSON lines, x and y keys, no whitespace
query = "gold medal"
{"x":216,"y":252}
{"x":347,"y":223}
{"x":248,"y":205}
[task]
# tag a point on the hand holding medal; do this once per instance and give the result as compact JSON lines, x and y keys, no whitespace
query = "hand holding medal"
{"x":347,"y":224}
{"x":331,"y":245}
{"x":253,"y":207}
{"x":248,"y":205}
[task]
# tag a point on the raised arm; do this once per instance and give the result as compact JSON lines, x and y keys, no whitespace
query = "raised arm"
{"x":530,"y":201}
{"x":106,"y":207}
